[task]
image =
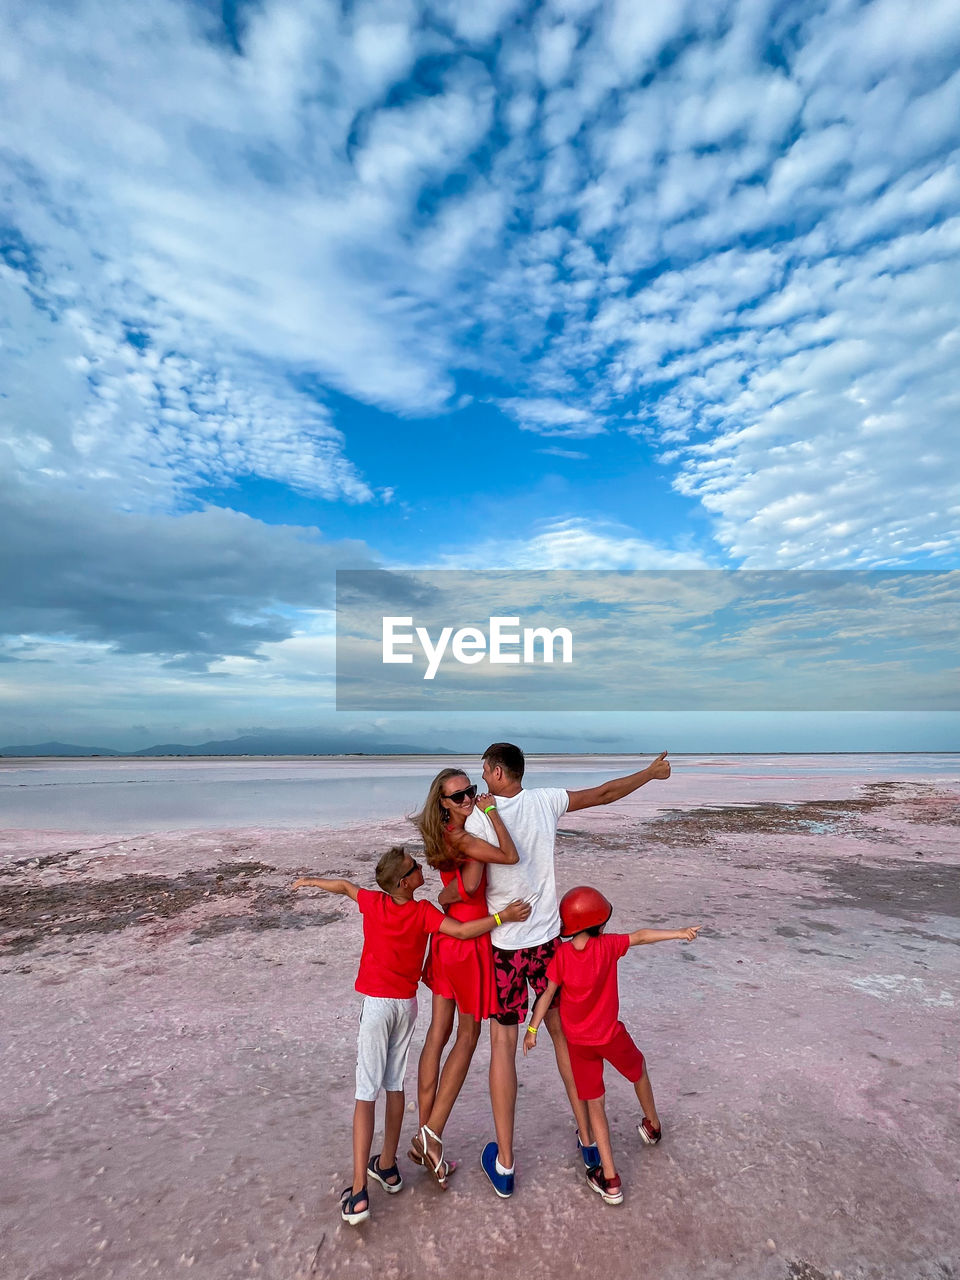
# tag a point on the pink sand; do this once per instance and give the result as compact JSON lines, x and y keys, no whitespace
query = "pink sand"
{"x":177,"y":1099}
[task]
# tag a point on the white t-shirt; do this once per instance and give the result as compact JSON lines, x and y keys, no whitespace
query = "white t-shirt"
{"x":531,"y":817}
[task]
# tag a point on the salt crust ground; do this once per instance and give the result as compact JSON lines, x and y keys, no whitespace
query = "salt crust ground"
{"x":180,"y":1028}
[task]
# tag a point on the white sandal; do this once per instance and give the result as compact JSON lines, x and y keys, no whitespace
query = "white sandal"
{"x":414,"y":1155}
{"x":440,"y":1169}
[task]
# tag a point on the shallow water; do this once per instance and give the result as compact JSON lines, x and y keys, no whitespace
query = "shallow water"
{"x":124,"y":795}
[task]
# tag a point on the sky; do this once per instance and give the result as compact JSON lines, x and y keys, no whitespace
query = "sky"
{"x":291,"y":287}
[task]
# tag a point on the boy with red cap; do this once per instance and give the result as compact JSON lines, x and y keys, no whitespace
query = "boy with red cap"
{"x":586,"y":968}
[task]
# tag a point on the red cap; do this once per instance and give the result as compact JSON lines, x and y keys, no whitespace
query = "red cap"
{"x":582,"y":908}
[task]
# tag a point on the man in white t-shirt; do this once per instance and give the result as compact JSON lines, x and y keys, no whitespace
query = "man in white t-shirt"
{"x":523,"y":950}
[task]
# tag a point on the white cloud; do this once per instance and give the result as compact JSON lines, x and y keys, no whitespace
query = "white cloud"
{"x":574,"y":455}
{"x":713,"y":224}
{"x":259,"y":202}
{"x":556,"y":44}
{"x":404,"y":145}
{"x":817,"y":364}
{"x":476,"y":23}
{"x":635,"y":34}
{"x":145,"y":425}
{"x":551,"y":417}
{"x":575,"y":544}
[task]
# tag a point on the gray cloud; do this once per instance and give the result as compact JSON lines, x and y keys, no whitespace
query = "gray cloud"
{"x":192,"y":587}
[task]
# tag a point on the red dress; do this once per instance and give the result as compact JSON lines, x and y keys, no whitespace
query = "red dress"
{"x":463,"y":970}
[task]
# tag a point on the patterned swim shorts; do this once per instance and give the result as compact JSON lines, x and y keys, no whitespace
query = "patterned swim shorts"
{"x":514,"y":970}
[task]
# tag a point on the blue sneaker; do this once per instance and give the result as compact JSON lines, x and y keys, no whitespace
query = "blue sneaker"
{"x":502,"y":1183}
{"x":591,"y":1155}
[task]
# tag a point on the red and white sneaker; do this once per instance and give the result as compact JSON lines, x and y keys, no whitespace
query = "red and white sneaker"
{"x":648,"y":1133}
{"x":610,"y":1188}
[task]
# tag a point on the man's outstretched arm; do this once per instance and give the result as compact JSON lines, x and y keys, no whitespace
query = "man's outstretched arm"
{"x":617,"y":788}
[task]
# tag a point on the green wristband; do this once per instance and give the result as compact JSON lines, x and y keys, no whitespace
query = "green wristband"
{"x":489,"y":807}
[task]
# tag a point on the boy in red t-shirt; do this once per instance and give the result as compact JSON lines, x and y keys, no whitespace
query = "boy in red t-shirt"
{"x":395,"y":931}
{"x":586,"y":968}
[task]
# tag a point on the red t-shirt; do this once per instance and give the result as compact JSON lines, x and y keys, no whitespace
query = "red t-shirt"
{"x":590,"y":1008}
{"x":394,"y":940}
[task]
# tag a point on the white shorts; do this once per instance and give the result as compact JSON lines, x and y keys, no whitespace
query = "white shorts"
{"x":386,"y":1029}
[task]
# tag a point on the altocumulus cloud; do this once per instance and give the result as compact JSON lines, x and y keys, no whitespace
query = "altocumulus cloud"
{"x":730,"y":229}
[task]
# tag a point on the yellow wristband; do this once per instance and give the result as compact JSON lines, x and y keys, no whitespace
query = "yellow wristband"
{"x":533,"y":1030}
{"x":496,"y":916}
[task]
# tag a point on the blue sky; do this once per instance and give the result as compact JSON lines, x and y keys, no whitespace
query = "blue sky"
{"x":286,"y":287}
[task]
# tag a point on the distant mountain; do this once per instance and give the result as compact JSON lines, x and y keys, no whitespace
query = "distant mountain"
{"x":265,"y":744}
{"x":295,"y":744}
{"x":58,"y":749}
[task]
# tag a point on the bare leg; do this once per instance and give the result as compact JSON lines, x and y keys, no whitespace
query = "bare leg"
{"x":391,"y":1128}
{"x":645,"y":1098}
{"x":363,"y":1120}
{"x":580,"y":1111}
{"x":452,"y":1076}
{"x":601,"y":1134}
{"x":428,"y":1070}
{"x":503,"y":1087}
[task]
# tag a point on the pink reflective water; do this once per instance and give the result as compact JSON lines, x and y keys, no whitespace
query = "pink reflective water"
{"x":131,"y":795}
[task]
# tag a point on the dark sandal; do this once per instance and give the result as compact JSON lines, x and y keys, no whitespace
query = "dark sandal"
{"x":349,"y":1203}
{"x":382,"y":1176}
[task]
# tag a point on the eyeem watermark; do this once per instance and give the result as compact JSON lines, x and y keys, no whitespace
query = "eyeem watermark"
{"x":503,"y":645}
{"x":684,"y":640}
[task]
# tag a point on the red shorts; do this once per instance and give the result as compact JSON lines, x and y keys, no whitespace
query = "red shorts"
{"x":587,"y":1062}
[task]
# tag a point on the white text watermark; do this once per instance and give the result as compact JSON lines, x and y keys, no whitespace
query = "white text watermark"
{"x":503,"y":644}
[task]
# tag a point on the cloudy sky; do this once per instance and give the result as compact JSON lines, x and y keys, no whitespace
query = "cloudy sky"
{"x":290,"y":286}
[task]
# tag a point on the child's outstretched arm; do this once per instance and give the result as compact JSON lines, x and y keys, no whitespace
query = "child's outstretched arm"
{"x":544,"y":1002}
{"x":331,"y":886}
{"x":641,"y":936}
{"x":516,"y":910}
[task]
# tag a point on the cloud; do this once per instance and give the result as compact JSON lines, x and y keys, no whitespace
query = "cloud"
{"x":576,"y":544}
{"x":573,"y":454}
{"x":707,"y":225}
{"x":551,"y":417}
{"x":722,"y":640}
{"x":147,"y":419}
{"x":194,"y":588}
{"x":253,"y":205}
{"x":776,"y":303}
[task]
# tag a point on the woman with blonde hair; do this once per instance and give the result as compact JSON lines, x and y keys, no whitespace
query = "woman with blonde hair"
{"x":461,"y":976}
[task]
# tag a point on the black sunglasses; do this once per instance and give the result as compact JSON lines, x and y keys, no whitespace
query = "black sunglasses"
{"x":458,"y":797}
{"x":409,"y":872}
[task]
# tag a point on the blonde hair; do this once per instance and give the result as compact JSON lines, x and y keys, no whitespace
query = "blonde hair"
{"x":431,"y":822}
{"x":390,"y":868}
